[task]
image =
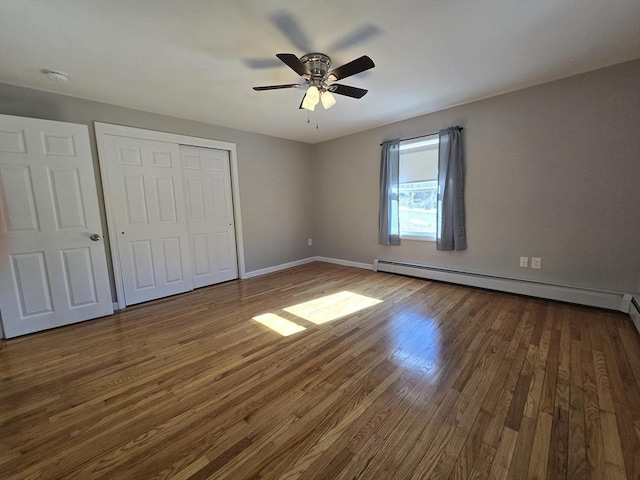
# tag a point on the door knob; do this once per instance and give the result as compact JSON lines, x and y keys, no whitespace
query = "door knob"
{"x":95,"y":237}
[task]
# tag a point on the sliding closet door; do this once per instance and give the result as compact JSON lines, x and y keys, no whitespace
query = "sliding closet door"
{"x":145,"y":189}
{"x":207,"y":183}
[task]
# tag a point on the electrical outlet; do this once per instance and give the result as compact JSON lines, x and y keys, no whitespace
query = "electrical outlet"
{"x":524,"y":262}
{"x":536,"y":262}
{"x":310,"y":242}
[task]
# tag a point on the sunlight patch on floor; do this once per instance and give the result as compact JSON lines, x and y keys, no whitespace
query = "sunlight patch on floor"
{"x":331,"y":307}
{"x":281,"y":325}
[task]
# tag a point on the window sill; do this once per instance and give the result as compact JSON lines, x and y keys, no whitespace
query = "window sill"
{"x":419,"y":238}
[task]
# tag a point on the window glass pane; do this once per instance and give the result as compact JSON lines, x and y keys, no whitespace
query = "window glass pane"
{"x":418,"y":194}
{"x":418,"y":208}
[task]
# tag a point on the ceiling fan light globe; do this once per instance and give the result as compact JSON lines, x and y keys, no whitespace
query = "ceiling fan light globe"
{"x":328,"y":100}
{"x":313,"y":94}
{"x":308,"y":103}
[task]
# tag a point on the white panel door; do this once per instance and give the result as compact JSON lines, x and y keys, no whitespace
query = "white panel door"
{"x":53,"y":269}
{"x":147,"y":202}
{"x":207,"y":180}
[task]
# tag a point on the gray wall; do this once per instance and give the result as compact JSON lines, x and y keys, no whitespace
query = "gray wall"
{"x":553,"y":171}
{"x":275,"y":175}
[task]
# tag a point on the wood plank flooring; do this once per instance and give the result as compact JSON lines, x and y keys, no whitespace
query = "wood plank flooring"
{"x":435,"y":381}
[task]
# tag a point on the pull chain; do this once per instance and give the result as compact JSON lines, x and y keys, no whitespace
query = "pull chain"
{"x":309,"y":119}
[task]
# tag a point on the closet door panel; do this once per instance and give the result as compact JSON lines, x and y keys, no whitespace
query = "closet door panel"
{"x":210,"y":209}
{"x":148,"y":204}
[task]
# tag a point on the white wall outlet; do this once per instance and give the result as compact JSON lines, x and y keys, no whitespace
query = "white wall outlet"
{"x":310,"y":242}
{"x":524,"y":262}
{"x":536,"y":262}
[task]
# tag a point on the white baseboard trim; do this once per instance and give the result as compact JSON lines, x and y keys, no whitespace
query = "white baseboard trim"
{"x":569,"y":294}
{"x":277,"y":268}
{"x":346,"y":263}
{"x":115,"y":306}
{"x":563,"y":293}
{"x":304,"y":261}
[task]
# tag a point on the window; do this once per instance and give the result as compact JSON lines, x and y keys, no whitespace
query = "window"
{"x":419,"y":188}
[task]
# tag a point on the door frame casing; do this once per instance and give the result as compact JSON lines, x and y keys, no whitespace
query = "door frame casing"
{"x":102,"y":129}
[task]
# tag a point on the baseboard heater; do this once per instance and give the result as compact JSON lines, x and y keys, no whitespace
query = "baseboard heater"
{"x":581,"y":296}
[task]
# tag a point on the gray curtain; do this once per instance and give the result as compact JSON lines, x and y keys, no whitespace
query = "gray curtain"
{"x":389,"y":219}
{"x":452,"y":233}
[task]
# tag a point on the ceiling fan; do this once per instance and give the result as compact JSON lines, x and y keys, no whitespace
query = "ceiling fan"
{"x":314,"y":68}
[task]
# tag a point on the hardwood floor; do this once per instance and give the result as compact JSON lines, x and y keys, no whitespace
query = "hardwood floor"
{"x":434,"y":381}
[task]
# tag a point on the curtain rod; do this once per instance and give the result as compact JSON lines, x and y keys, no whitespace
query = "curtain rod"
{"x":425,"y":135}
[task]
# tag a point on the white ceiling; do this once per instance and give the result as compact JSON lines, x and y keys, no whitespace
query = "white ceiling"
{"x":198,"y":59}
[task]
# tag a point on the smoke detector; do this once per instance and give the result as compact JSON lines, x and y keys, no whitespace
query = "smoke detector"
{"x":56,"y":76}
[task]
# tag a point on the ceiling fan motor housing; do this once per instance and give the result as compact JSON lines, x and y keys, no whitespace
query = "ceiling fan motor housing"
{"x":318,"y":64}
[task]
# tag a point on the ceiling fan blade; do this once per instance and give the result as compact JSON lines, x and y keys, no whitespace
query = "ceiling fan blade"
{"x":261,"y":63}
{"x":277,"y":87}
{"x":359,"y":35}
{"x":356,"y":66}
{"x":354,"y":92}
{"x":294,"y":63}
{"x":290,"y":28}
